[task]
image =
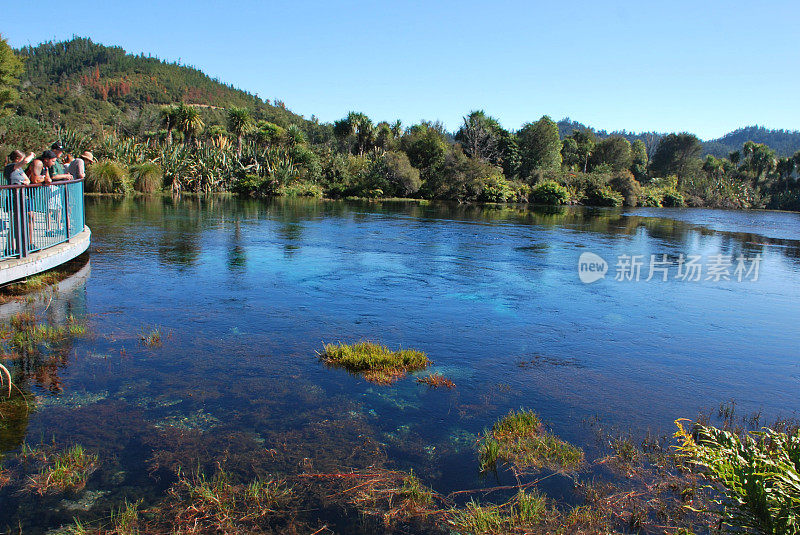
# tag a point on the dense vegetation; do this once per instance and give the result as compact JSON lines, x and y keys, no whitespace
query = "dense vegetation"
{"x":171,"y":126}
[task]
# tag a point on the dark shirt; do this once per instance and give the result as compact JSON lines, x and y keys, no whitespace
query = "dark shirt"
{"x":57,"y":169}
{"x":7,"y":170}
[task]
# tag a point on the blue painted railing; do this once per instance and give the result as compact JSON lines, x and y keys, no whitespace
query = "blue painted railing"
{"x":39,"y":216}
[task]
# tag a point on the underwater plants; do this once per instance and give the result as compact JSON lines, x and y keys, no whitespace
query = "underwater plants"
{"x":518,"y":438}
{"x":436,"y":380}
{"x":377,"y":363}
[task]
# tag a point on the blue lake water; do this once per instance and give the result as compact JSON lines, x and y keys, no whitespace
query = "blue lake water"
{"x":245,"y":293}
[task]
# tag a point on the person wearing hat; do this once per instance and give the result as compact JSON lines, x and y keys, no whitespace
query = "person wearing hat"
{"x":57,"y":171}
{"x":77,"y":169}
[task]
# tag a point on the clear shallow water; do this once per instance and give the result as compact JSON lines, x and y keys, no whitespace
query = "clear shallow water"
{"x":246,"y":292}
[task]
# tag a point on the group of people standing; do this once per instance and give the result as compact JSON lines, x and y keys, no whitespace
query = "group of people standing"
{"x":24,"y":170}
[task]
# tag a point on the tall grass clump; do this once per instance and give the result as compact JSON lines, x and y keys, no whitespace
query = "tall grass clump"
{"x":147,"y":177}
{"x":108,"y":176}
{"x":376,"y":362}
{"x":519,"y":439}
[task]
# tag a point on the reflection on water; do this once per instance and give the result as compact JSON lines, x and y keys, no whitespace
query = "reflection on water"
{"x":245,"y":292}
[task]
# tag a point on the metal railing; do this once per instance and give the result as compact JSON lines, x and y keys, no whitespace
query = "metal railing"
{"x":38,"y":216}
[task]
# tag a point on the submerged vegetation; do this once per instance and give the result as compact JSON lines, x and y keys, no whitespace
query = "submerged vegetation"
{"x":375,"y":362}
{"x":60,"y":470}
{"x":436,"y":380}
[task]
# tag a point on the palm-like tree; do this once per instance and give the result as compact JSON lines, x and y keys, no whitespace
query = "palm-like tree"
{"x":189,"y":121}
{"x":169,"y":119}
{"x":239,"y":123}
{"x":294,"y":135}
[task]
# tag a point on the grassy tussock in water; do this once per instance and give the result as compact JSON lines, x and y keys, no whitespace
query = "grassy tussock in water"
{"x":61,"y":470}
{"x":25,"y":334}
{"x":376,"y":362}
{"x":518,"y":438}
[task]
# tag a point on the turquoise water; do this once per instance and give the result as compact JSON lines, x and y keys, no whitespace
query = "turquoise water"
{"x":244,"y":293}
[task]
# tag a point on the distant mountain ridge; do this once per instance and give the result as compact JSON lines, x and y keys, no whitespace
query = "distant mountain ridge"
{"x":784,"y":142}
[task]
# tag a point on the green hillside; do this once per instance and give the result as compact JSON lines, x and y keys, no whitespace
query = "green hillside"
{"x":80,"y":82}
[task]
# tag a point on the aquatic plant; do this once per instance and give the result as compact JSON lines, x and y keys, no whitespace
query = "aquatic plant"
{"x":436,"y":380}
{"x":526,"y":512}
{"x":758,"y":474}
{"x":217,"y":504}
{"x":126,"y":519}
{"x":62,"y":470}
{"x":376,"y":362}
{"x":413,"y":491}
{"x":27,"y":333}
{"x":151,"y":338}
{"x":518,"y":438}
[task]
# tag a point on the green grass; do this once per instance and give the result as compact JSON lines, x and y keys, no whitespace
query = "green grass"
{"x":26,"y":334}
{"x":478,"y":519}
{"x":518,"y":438}
{"x":126,"y":519}
{"x":376,"y":362}
{"x":68,"y":469}
{"x":413,"y":491}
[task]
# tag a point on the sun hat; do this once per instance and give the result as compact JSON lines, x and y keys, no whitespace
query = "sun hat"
{"x":86,"y":155}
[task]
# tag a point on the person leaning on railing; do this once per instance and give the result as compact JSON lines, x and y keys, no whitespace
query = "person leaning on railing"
{"x":57,"y":170}
{"x":13,"y":172}
{"x":38,"y":173}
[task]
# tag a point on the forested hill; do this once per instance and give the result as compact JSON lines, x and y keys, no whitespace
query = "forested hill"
{"x":783,"y":142}
{"x":80,"y":81}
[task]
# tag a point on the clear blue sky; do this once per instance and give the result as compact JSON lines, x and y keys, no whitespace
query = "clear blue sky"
{"x":706,"y":67}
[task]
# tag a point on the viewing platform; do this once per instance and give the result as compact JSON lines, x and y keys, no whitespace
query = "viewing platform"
{"x":41,"y":227}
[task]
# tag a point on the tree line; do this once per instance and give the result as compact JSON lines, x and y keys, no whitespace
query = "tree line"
{"x":261,"y":149}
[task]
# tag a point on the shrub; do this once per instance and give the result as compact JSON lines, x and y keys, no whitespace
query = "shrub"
{"x":496,"y":189}
{"x":650,"y":197}
{"x":628,"y":186}
{"x":757,"y":473}
{"x":549,"y":192}
{"x":108,"y":176}
{"x":147,"y":177}
{"x":601,"y":195}
{"x":300,"y":189}
{"x":672,"y":198}
{"x":254,"y":186}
